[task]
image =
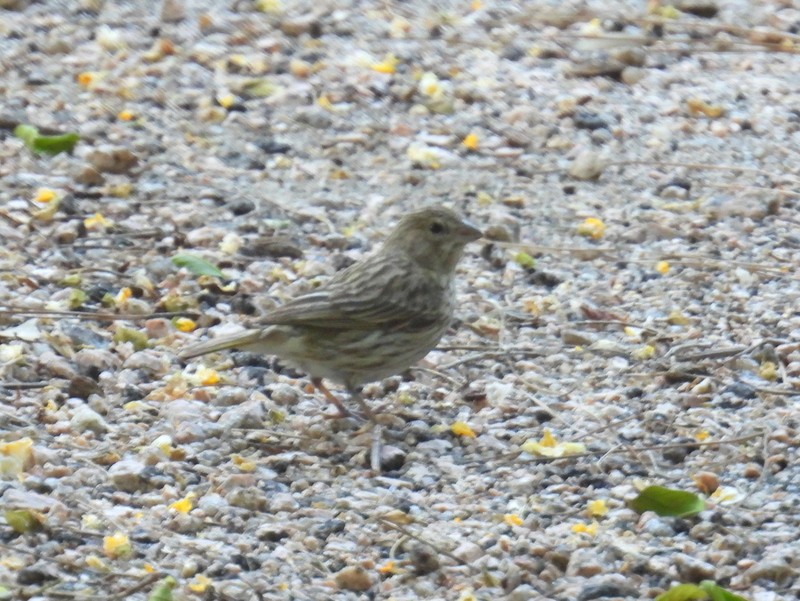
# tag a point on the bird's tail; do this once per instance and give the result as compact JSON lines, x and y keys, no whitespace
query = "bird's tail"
{"x":240,"y":339}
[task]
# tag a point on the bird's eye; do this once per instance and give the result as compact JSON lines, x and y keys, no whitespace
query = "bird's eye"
{"x":436,"y":227}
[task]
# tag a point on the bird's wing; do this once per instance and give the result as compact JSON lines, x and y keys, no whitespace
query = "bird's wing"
{"x":371,"y":294}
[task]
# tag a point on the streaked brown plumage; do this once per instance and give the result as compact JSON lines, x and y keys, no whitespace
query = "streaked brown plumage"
{"x":374,"y":319}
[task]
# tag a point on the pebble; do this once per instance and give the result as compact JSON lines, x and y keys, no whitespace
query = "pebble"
{"x":115,"y":160}
{"x":248,"y":415}
{"x":468,"y":551}
{"x":284,"y":394}
{"x":85,"y":418}
{"x":691,"y":569}
{"x":127,"y":475}
{"x":423,"y":559}
{"x":283,"y":502}
{"x":586,"y":165}
{"x":353,"y":578}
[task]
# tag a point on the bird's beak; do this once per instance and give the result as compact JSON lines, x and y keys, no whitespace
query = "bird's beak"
{"x":468,"y":231}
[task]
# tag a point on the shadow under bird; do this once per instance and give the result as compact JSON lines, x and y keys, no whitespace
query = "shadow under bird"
{"x":372,"y":320}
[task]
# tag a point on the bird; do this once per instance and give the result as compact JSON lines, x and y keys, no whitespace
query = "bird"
{"x":372,"y":320}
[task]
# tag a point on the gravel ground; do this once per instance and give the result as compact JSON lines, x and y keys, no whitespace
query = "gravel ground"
{"x":638,"y":180}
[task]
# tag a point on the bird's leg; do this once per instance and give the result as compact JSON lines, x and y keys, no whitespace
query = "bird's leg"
{"x":355,"y":394}
{"x":330,"y":397}
{"x":377,"y":430}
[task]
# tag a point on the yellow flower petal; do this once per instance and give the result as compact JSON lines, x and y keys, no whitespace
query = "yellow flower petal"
{"x":86,"y":78}
{"x":325,"y":103}
{"x":597,"y":508}
{"x":462,"y":429}
{"x":243,"y":464}
{"x":226,"y":101}
{"x":512,"y":519}
{"x":590,"y":529}
{"x":97,"y":221}
{"x":387,"y":65}
{"x":644,"y":352}
{"x":94,"y":562}
{"x":184,"y":324}
{"x":125,"y":115}
{"x":768,"y":371}
{"x":549,"y":447}
{"x":199,"y":584}
{"x":389,"y":568}
{"x":206,"y":376}
{"x":117,"y":545}
{"x":183,"y":505}
{"x":44,"y":195}
{"x":662,"y":267}
{"x":592,"y":227}
{"x":470,"y":142}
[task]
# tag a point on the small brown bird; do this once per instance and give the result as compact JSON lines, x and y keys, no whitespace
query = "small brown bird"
{"x":372,"y":320}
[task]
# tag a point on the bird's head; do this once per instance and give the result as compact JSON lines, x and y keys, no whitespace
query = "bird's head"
{"x":432,"y":237}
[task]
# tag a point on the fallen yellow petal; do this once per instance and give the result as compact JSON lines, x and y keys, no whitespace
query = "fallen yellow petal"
{"x":462,"y":429}
{"x":512,"y":519}
{"x":548,"y":440}
{"x":549,"y":447}
{"x":325,"y":103}
{"x":768,"y":371}
{"x":590,"y":529}
{"x":94,"y":562}
{"x":44,"y":195}
{"x":199,"y":584}
{"x":644,"y":352}
{"x":597,"y":508}
{"x":86,"y":78}
{"x":184,"y":324}
{"x":183,"y":505}
{"x":389,"y":568}
{"x":387,"y":65}
{"x":470,"y":142}
{"x":117,"y":545}
{"x":206,"y":376}
{"x":125,"y":115}
{"x":96,"y":221}
{"x":592,"y":227}
{"x":243,"y":464}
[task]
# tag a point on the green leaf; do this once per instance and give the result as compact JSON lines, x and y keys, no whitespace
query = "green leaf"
{"x":45,"y":144}
{"x":22,"y":521}
{"x":717,"y":593}
{"x":683,"y":592}
{"x":667,"y":502}
{"x":135,"y":337}
{"x":76,"y":298}
{"x":163,"y":591}
{"x":525,"y":260}
{"x":197,"y":265}
{"x":259,"y":88}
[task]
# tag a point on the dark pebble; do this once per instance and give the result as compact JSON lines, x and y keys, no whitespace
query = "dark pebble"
{"x":584,"y":119}
{"x":327,"y":528}
{"x":271,"y":146}
{"x":605,"y":590}
{"x":242,"y":207}
{"x":81,"y":387}
{"x":423,"y":559}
